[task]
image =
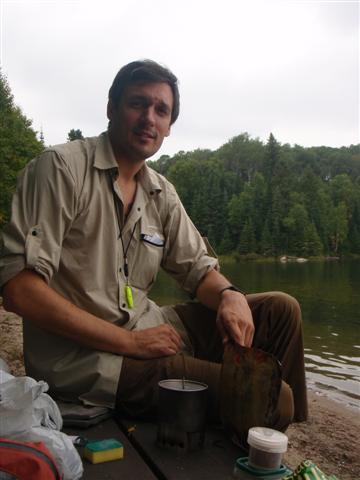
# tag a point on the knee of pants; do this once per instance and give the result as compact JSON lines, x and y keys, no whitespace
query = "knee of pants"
{"x":285,"y":408}
{"x":288,"y":305}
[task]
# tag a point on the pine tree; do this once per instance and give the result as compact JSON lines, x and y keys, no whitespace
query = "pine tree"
{"x":272,"y":155}
{"x":339,"y":227}
{"x":75,"y":135}
{"x":226,"y":245}
{"x":276,"y":221}
{"x":247,"y":242}
{"x":266,"y":244}
{"x":312,"y":243}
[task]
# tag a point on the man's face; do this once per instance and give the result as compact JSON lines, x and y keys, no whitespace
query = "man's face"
{"x":142,"y":119}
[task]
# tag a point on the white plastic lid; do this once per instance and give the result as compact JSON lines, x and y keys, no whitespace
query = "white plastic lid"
{"x":267,"y":440}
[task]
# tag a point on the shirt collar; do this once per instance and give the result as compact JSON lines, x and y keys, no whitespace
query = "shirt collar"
{"x":148,"y":180}
{"x":105,"y":160}
{"x":104,"y":155}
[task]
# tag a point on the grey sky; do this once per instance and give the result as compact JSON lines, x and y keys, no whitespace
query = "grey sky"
{"x":291,"y":68}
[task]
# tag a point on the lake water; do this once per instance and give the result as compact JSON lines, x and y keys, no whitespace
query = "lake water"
{"x":329,"y":295}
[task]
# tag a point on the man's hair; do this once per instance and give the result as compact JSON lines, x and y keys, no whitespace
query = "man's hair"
{"x":145,"y":71}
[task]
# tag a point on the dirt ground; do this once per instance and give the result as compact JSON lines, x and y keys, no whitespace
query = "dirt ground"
{"x":330,"y":438}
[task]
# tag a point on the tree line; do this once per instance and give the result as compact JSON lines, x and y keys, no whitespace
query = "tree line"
{"x":246,"y":197}
{"x":18,"y":145}
{"x":270,"y":199}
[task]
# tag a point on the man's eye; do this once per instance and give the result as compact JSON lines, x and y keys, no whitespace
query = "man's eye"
{"x":136,"y":104}
{"x":163,"y":111}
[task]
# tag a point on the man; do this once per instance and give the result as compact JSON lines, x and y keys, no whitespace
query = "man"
{"x":91,"y":225}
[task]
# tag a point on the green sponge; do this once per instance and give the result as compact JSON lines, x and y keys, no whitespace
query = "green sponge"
{"x":104,"y":451}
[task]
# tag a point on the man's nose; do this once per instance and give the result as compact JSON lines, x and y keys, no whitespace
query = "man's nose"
{"x":149,"y":115}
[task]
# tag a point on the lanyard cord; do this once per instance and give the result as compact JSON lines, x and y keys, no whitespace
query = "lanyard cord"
{"x":126,"y":264}
{"x":125,"y":249}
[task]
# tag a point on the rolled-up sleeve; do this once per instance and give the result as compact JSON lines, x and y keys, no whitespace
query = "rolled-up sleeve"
{"x":185,"y":257}
{"x":43,"y":209}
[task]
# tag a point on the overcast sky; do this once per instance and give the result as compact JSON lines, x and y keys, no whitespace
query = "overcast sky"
{"x":287,"y":67}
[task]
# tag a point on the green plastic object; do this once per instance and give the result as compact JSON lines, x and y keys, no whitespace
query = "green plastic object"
{"x":244,"y":471}
{"x":101,"y":445}
{"x":307,"y":470}
{"x":129,"y":297}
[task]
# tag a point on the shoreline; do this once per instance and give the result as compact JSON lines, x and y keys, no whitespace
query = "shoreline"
{"x":329,"y":438}
{"x":229,"y":258}
{"x":339,"y":401}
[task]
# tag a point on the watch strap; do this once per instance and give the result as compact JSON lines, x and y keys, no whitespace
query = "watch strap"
{"x":233,"y":288}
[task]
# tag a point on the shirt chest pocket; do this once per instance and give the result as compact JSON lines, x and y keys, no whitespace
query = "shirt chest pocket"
{"x":147,"y":256}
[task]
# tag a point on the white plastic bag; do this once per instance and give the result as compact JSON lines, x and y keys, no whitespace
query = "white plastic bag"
{"x":30,"y":415}
{"x":4,"y":366}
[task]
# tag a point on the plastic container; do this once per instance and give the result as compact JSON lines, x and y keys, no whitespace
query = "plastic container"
{"x":244,"y":471}
{"x":266,"y":448}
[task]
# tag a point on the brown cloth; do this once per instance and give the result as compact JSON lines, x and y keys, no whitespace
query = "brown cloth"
{"x":277,"y":319}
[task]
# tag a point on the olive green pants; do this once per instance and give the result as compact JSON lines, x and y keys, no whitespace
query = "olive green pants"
{"x":278,"y":330}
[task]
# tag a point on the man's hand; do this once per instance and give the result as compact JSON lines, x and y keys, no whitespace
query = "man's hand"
{"x":154,"y":342}
{"x":29,"y":296}
{"x":234,"y":319}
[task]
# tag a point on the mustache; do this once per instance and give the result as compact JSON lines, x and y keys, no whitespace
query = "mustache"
{"x":143,"y":130}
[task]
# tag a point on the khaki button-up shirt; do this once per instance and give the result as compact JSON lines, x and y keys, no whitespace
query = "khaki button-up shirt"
{"x":65,"y":226}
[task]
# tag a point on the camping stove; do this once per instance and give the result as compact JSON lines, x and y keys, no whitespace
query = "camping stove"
{"x":169,"y":436}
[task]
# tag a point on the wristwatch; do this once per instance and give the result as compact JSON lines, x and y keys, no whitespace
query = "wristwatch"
{"x":233,"y":288}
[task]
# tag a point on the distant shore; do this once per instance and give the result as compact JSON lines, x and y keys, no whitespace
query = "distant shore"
{"x":284,"y":258}
{"x":330,"y":438}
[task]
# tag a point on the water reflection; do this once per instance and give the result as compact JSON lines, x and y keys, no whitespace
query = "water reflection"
{"x":329,"y":295}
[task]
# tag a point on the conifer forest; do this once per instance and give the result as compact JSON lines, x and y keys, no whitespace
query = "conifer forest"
{"x":270,"y":199}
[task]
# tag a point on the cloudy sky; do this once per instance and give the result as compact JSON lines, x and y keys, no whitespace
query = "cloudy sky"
{"x":287,"y":67}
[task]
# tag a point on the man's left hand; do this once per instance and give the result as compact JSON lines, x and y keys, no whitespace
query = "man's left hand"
{"x":234,"y":319}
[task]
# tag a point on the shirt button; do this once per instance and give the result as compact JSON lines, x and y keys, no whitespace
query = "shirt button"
{"x":139,"y":209}
{"x":124,"y":305}
{"x":120,"y":269}
{"x":151,"y":193}
{"x":34,"y":233}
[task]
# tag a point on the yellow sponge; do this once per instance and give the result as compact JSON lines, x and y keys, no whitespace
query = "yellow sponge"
{"x":103,"y":451}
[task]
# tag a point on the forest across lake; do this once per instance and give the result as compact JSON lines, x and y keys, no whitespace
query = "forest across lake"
{"x":271,"y":199}
{"x":329,"y":295}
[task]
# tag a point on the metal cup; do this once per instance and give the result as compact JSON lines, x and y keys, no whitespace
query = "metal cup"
{"x":181,"y":414}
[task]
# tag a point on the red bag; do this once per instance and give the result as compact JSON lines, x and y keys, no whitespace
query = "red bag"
{"x":26,"y":461}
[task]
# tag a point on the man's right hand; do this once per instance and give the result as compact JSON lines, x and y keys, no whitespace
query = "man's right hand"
{"x":154,"y":342}
{"x":28,"y":295}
